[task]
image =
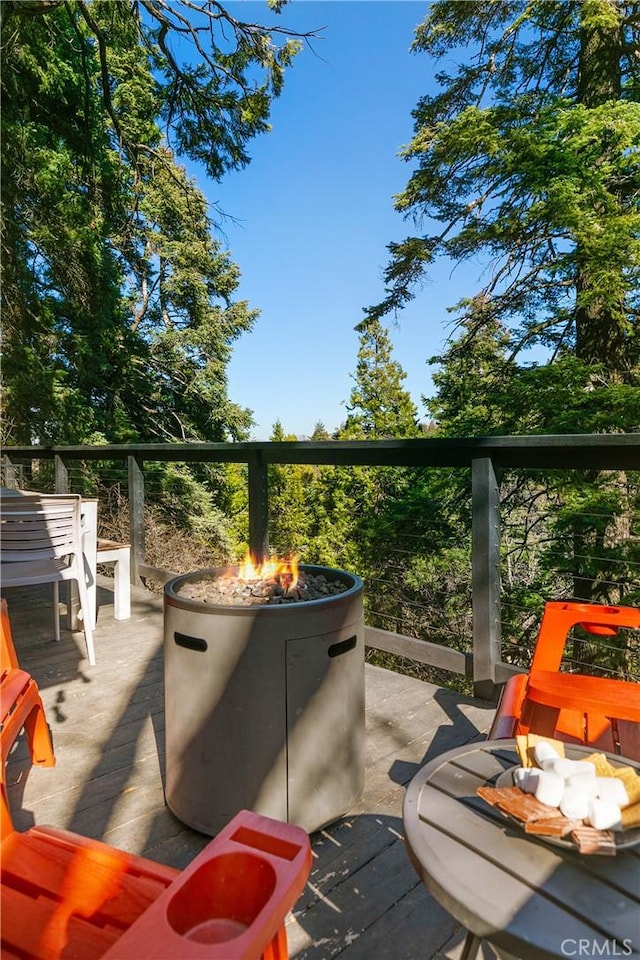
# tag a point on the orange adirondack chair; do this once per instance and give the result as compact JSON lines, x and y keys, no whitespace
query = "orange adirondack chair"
{"x":66,"y":896}
{"x":573,"y":707}
{"x":20,"y":706}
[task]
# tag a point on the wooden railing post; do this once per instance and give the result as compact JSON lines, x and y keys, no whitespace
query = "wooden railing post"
{"x":10,"y":474}
{"x":485,"y":577}
{"x":258,"y":506}
{"x":136,"y":516}
{"x":61,"y":475}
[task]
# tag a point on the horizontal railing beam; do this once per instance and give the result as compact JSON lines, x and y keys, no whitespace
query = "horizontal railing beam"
{"x":159,"y":574}
{"x":431,"y":654}
{"x":422,"y":651}
{"x":571,"y":451}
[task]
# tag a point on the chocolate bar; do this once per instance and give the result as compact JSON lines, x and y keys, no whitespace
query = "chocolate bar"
{"x":590,"y":840}
{"x":522,"y":806}
{"x":556,"y":827}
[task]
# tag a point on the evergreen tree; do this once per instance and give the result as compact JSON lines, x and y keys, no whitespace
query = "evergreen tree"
{"x":320,"y":432}
{"x":117,"y":301}
{"x":119,"y":306}
{"x":528,"y":158}
{"x":379,"y":407}
{"x":214,"y":75}
{"x":350,"y":501}
{"x":290,"y":502}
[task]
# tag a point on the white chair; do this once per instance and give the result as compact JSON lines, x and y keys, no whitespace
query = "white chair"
{"x":42,"y":543}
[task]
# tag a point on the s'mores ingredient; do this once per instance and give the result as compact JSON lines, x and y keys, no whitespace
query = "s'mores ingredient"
{"x":526,"y":778}
{"x":575,"y":803}
{"x":550,"y":788}
{"x":527,"y":742}
{"x":613,"y":789}
{"x":544,"y":752}
{"x":517,"y":804}
{"x":631,"y":782}
{"x":589,"y":840}
{"x":553,"y":827}
{"x":585,"y":779}
{"x":604,"y":815}
{"x":630,"y":816}
{"x":602,"y":765}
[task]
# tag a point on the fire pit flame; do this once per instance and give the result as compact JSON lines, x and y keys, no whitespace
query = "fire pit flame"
{"x":284,"y":572}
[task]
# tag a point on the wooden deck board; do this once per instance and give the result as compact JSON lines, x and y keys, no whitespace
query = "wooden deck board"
{"x":363,"y":899}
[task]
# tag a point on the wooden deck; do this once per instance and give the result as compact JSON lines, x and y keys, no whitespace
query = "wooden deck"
{"x":363,"y":900}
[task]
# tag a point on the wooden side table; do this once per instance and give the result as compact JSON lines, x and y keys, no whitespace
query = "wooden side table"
{"x":529,"y":899}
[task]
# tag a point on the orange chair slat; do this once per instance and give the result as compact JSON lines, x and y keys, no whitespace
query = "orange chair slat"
{"x":138,"y":866}
{"x":278,"y":949}
{"x":8,"y":954}
{"x":8,"y":656}
{"x":42,"y":928}
{"x":559,"y":617}
{"x":15,"y":684}
{"x":22,"y":708}
{"x":32,"y":862}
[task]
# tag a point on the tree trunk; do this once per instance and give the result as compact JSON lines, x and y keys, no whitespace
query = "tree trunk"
{"x":600,"y":329}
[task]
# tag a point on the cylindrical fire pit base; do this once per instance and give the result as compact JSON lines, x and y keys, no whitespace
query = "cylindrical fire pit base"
{"x":264,"y":705}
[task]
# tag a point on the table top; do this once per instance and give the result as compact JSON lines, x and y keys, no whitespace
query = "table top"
{"x":534,"y":900}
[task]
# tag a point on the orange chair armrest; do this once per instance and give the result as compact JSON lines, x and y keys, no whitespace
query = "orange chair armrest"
{"x":509,"y":708}
{"x":231,"y":901}
{"x":14,"y":684}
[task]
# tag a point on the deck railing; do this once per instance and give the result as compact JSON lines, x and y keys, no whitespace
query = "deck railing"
{"x":487,"y":458}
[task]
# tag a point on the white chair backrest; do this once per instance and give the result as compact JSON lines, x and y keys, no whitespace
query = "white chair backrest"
{"x":39,"y":529}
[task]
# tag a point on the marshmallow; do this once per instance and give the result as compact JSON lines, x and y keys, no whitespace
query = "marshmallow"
{"x":531,"y":783}
{"x":583,"y":766}
{"x":585,"y":779}
{"x":566,"y":768}
{"x":550,"y":788}
{"x":526,"y":778}
{"x":604,"y":814}
{"x":544,"y":751}
{"x":610,"y":788}
{"x":560,"y":766}
{"x":575,"y":803}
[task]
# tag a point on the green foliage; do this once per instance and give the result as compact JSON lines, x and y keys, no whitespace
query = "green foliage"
{"x":528,"y":158}
{"x":291,"y":495}
{"x":119,"y":306}
{"x":379,"y":406}
{"x":320,"y":432}
{"x":117,"y":300}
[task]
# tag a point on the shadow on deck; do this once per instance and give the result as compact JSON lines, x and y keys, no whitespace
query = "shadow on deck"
{"x":363,"y":900}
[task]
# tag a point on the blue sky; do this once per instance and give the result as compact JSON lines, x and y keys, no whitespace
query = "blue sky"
{"x":313,"y":214}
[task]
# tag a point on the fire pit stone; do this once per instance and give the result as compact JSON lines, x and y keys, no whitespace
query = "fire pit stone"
{"x":231,"y":589}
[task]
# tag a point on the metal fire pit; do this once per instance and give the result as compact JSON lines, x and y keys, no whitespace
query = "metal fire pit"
{"x":264,"y":705}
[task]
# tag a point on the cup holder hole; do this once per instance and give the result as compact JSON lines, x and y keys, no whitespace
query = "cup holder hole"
{"x":222,"y":898}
